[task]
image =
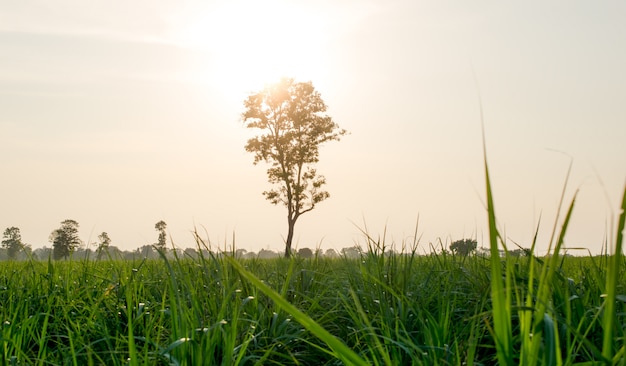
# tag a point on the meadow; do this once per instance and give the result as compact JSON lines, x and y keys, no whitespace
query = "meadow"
{"x":383,"y":308}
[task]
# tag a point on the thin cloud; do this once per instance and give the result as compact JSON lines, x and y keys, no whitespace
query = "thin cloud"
{"x":136,"y":21}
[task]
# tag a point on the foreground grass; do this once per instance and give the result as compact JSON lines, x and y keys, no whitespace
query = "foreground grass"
{"x":381,"y":309}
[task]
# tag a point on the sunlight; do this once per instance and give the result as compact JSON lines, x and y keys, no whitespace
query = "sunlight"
{"x":251,"y":44}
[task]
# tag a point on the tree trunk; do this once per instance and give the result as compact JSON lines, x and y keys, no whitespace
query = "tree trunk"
{"x":291,"y":222}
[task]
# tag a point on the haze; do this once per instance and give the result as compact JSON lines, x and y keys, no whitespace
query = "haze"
{"x":120,"y":114}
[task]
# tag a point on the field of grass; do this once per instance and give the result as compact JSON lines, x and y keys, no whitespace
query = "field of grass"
{"x":381,"y":309}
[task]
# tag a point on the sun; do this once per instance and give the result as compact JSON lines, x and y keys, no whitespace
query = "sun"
{"x":249,"y":44}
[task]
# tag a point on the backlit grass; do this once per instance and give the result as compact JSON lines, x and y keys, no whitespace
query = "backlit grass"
{"x":383,"y":308}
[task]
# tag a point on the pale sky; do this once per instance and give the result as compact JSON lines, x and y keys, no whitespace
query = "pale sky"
{"x":118,"y":114}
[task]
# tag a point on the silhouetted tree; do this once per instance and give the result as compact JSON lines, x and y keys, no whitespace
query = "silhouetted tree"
{"x":146,"y":251}
{"x":42,"y":253}
{"x":114,"y":252}
{"x":161,"y":244}
{"x":291,"y":117}
{"x":65,"y":239}
{"x":464,"y":246}
{"x":82,"y":253}
{"x":331,"y":253}
{"x":305,"y":253}
{"x":351,"y":252}
{"x":104,"y":243}
{"x":266,"y":254}
{"x":190,"y":253}
{"x":12,"y":241}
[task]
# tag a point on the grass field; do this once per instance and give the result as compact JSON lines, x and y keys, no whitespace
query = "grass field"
{"x":380,"y":309}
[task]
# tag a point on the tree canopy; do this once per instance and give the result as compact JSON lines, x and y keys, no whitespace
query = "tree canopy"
{"x":161,"y":243}
{"x":104,"y":243}
{"x":464,"y":246}
{"x":291,"y":118}
{"x":12,"y":241}
{"x":305,"y":253}
{"x":65,"y":239}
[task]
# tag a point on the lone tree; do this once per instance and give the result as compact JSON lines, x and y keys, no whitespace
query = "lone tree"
{"x":162,"y":242}
{"x":305,"y":253}
{"x":464,"y":246}
{"x":65,"y":239}
{"x":104,"y":243}
{"x":12,"y":241}
{"x":290,"y":116}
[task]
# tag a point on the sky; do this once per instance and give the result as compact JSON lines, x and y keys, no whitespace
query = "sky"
{"x":120,"y":114}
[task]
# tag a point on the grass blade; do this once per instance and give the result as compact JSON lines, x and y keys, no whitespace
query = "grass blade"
{"x":611,"y":285}
{"x":500,"y":302}
{"x":550,"y":338}
{"x":341,"y":351}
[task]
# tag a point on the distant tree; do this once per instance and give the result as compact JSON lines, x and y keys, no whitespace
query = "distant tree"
{"x":42,"y":253}
{"x":103,"y":244}
{"x":305,"y":253}
{"x":351,"y":252}
{"x":520,"y":252}
{"x":249,"y":255}
{"x":331,"y":253}
{"x":266,"y":254}
{"x":82,"y":253}
{"x":129,"y":255}
{"x":161,"y":244}
{"x":464,"y":246}
{"x":190,"y":253}
{"x":114,"y":252}
{"x":12,"y":241}
{"x":146,"y":251}
{"x":65,"y":239}
{"x":292,"y":120}
{"x":26,"y":252}
{"x":483,"y":251}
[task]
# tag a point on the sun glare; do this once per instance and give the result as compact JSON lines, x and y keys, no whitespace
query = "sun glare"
{"x":251,"y":43}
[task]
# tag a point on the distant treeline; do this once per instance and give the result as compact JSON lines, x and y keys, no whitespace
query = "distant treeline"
{"x":151,"y":252}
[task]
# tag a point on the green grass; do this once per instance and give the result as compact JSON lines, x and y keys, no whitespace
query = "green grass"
{"x":383,"y":308}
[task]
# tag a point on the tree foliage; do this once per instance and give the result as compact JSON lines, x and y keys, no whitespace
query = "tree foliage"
{"x":331,"y":253}
{"x":65,"y":239}
{"x":12,"y":241}
{"x":293,"y":124}
{"x":104,"y":243}
{"x":351,"y":252}
{"x":147,"y":251}
{"x":161,"y":244}
{"x":464,"y":246}
{"x":305,"y":253}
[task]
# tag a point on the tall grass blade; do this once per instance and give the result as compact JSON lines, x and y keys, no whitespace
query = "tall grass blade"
{"x":133,"y":357}
{"x":377,"y":344}
{"x":501,"y":307}
{"x":611,"y":285}
{"x":341,"y":351}
{"x":550,"y":338}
